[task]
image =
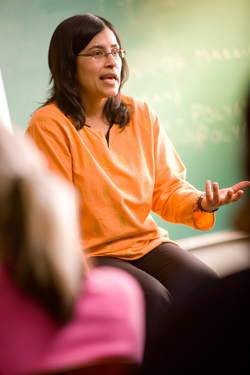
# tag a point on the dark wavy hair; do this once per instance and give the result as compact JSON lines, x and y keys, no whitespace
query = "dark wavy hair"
{"x":69,"y":38}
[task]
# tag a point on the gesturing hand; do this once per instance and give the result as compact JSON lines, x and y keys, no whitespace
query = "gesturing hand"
{"x":218,"y":198}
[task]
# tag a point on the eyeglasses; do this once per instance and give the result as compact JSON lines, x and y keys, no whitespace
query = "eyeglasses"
{"x":102,"y":55}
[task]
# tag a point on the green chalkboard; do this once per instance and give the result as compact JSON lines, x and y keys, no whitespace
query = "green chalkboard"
{"x":190,"y":59}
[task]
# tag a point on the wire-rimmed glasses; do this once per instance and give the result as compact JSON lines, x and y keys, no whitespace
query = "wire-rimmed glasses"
{"x":102,"y":55}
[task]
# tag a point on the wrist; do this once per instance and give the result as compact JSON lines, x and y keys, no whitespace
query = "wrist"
{"x":199,"y":203}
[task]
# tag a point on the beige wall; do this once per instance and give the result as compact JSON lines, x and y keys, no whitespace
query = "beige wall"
{"x":225,"y":252}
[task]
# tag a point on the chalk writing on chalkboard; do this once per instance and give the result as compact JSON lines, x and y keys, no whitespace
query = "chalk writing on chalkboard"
{"x":225,"y":54}
{"x":211,"y":124}
{"x":169,"y":63}
{"x":172,"y":96}
{"x":208,"y":114}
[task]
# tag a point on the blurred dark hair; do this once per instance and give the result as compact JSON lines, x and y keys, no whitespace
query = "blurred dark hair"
{"x":39,"y":248}
{"x":69,"y":38}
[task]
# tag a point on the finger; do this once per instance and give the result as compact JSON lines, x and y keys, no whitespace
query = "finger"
{"x":209,"y":198}
{"x":237,"y":196}
{"x":229,"y":197}
{"x":216,"y":194}
{"x":241,"y":185}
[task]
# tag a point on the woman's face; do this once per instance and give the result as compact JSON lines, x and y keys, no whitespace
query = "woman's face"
{"x":99,"y":79}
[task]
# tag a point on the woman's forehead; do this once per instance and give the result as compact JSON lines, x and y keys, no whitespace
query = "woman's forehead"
{"x":104,"y":38}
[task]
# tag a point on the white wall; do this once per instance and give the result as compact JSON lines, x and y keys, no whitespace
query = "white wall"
{"x":4,"y":109}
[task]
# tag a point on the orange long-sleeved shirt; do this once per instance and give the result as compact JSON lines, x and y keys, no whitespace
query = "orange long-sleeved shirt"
{"x":120,"y":182}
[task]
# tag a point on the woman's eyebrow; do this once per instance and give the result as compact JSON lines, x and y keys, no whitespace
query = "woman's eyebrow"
{"x":102,"y":47}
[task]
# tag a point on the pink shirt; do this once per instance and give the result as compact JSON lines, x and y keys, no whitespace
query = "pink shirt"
{"x":108,"y":321}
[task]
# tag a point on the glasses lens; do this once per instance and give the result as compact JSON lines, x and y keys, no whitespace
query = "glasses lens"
{"x":98,"y":55}
{"x":101,"y":55}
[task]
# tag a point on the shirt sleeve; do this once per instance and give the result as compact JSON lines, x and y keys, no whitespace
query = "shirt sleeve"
{"x":52,"y":139}
{"x":173,"y":196}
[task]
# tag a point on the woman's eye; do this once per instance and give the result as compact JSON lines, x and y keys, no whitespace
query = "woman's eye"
{"x":115,"y":52}
{"x":97,"y":54}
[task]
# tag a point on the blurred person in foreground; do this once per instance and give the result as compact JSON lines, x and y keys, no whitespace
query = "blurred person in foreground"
{"x":56,"y":316}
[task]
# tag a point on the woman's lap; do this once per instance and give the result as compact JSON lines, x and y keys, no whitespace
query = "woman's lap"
{"x":167,"y":274}
{"x":179,"y":271}
{"x":167,"y":265}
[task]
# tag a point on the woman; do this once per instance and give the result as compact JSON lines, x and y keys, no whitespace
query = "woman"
{"x":114,"y":150}
{"x":53,"y":318}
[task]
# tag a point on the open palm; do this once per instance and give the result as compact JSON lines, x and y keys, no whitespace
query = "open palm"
{"x":218,"y":198}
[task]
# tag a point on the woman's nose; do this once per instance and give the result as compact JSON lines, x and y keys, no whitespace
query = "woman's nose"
{"x":111,"y":60}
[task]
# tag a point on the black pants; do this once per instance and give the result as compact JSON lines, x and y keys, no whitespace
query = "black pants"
{"x":168,"y":275}
{"x":209,"y":333}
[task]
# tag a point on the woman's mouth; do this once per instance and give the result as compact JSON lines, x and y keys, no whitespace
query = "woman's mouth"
{"x":109,"y":78}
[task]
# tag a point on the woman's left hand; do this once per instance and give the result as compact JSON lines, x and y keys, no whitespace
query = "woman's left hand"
{"x":218,"y":198}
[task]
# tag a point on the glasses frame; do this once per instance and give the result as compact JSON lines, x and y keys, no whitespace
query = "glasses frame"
{"x":123,"y":51}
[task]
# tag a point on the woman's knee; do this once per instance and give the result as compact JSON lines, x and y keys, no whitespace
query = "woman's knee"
{"x":181,"y":272}
{"x":158,"y":304}
{"x":191,"y":277}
